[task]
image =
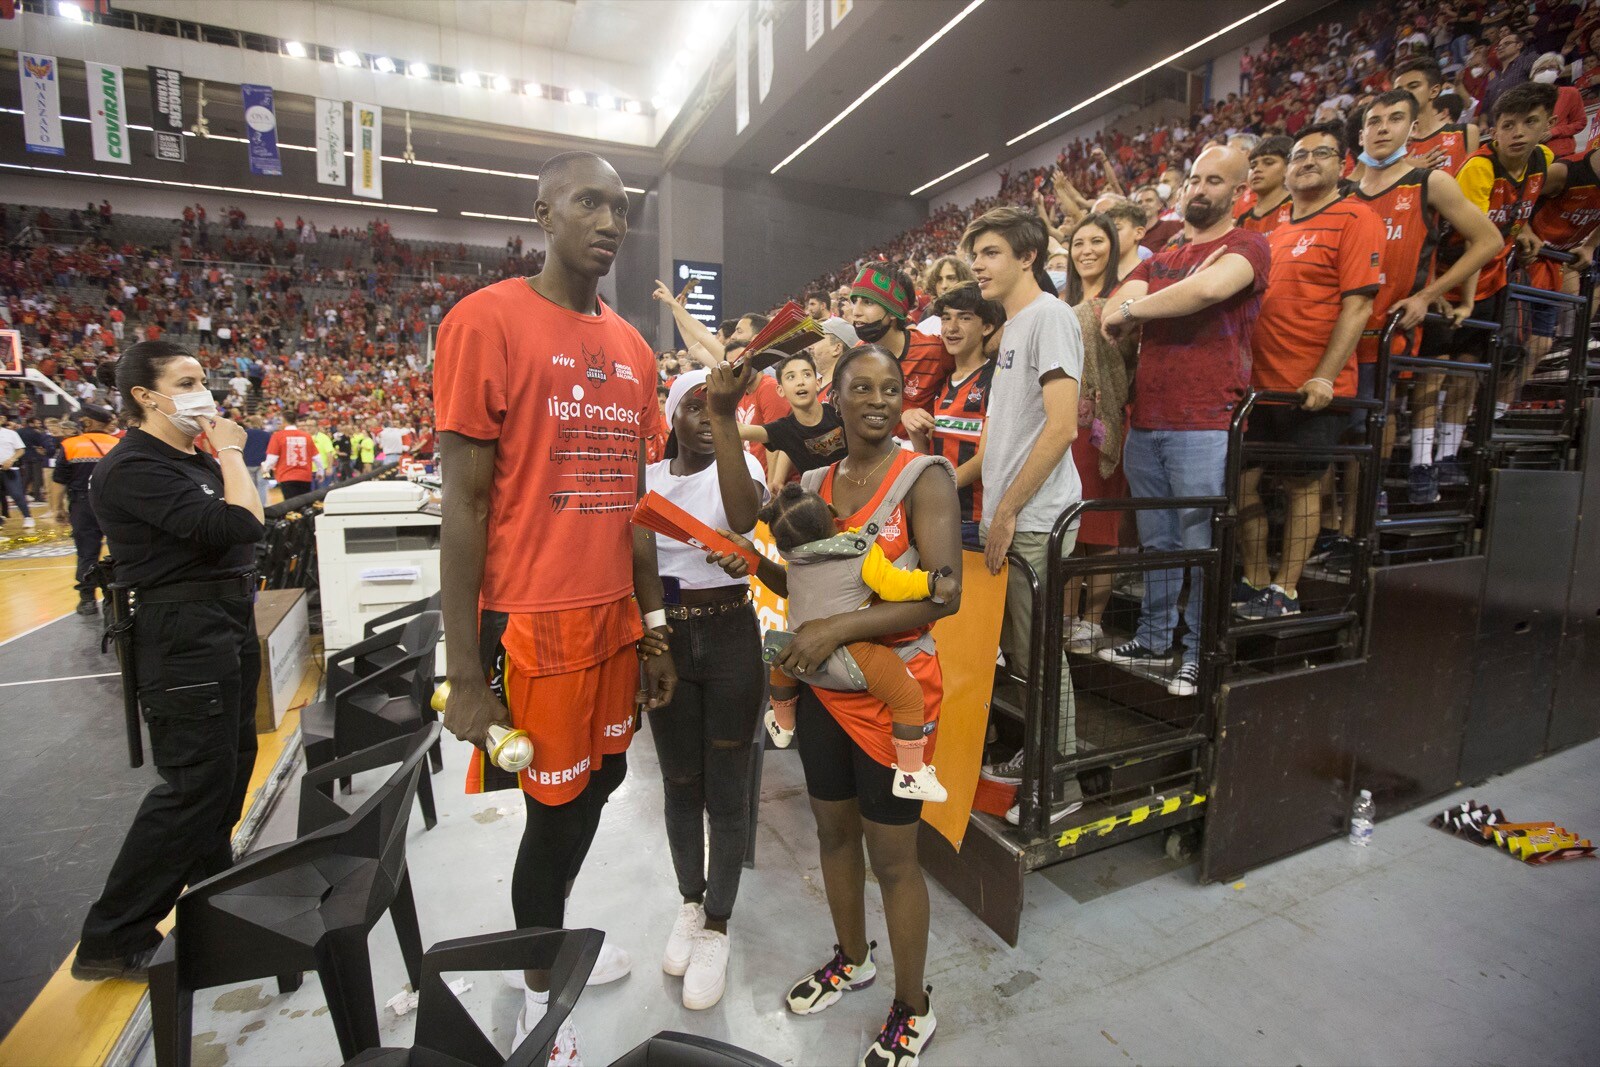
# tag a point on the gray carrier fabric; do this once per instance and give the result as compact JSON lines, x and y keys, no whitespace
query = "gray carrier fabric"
{"x":825,"y":577}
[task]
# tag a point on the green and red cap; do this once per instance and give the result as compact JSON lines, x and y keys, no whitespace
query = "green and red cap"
{"x":886,"y":288}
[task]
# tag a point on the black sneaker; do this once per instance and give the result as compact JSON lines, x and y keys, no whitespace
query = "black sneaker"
{"x":1422,"y":484}
{"x":1451,"y":471}
{"x":134,"y":967}
{"x":1185,"y":681}
{"x":87,"y":607}
{"x":1243,"y":591}
{"x":1326,"y":542}
{"x":1132,"y":654}
{"x":902,"y":1038}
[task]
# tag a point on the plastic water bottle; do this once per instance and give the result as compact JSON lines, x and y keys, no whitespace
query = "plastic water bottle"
{"x":1361,"y":815}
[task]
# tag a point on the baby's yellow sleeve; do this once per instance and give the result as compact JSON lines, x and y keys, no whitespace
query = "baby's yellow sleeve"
{"x":890,"y":582}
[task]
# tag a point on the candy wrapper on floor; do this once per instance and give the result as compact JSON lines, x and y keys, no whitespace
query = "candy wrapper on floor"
{"x":1533,"y":842}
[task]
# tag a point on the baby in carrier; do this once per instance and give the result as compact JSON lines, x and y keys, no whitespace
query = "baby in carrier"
{"x":829,"y":573}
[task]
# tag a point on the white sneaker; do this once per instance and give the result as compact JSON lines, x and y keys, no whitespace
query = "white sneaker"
{"x":780,"y":737}
{"x":1014,"y":813}
{"x":613,"y":963}
{"x":920,"y":784}
{"x":1085,"y":636}
{"x":28,"y":523}
{"x":680,"y":943}
{"x":564,"y":1053}
{"x":707,"y":975}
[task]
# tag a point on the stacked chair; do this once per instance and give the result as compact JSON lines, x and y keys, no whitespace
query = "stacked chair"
{"x":379,"y":689}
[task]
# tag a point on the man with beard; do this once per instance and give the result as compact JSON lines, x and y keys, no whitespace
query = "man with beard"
{"x":1197,"y":304}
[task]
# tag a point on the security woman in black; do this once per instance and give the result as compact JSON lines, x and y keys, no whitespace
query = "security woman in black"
{"x":182,"y":526}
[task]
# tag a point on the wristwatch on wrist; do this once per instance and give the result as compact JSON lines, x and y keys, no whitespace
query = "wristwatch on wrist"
{"x":933,"y":581}
{"x":1127,"y":310}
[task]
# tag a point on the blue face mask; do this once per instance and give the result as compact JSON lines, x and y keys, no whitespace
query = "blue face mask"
{"x":1058,"y":278}
{"x":1380,"y":164}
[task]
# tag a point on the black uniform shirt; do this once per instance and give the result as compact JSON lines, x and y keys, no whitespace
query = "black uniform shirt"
{"x":164,"y":517}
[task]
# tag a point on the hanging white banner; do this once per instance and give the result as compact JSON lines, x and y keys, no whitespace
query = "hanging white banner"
{"x":741,"y":73}
{"x":41,"y":103}
{"x":330,"y":142}
{"x":816,"y":21}
{"x":366,"y":135}
{"x":764,"y":55}
{"x":108,"y":113}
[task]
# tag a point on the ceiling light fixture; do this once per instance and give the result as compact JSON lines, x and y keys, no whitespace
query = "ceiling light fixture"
{"x":881,"y":82}
{"x":606,"y":103}
{"x":533,"y":89}
{"x":577,"y":96}
{"x":418,"y":70}
{"x":949,"y":173}
{"x":349,"y":58}
{"x":471,"y":79}
{"x":632,"y":107}
{"x":295,"y":49}
{"x":1102,"y":94}
{"x":223,"y":189}
{"x":385,"y":64}
{"x":658,"y":103}
{"x":502,"y":84}
{"x":70,"y":12}
{"x":500,"y":218}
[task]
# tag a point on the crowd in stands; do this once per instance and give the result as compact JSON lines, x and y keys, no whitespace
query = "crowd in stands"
{"x":285,"y":336}
{"x":1318,"y":75}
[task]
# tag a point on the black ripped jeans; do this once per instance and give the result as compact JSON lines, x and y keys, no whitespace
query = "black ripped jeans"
{"x":703,"y":740}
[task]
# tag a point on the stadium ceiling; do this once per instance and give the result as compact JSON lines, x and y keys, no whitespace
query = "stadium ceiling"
{"x":1004,"y":68}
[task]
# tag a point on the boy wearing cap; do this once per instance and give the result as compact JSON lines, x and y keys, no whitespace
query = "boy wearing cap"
{"x":880,"y":302}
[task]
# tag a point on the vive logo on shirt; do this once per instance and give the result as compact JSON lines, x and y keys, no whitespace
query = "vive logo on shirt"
{"x":561,"y":359}
{"x":596,"y":363}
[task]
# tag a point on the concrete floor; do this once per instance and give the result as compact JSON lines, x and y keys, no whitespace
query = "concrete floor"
{"x":1420,"y":949}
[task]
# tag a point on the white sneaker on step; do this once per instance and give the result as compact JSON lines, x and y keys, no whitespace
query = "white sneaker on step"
{"x":707,"y":975}
{"x":680,"y":943}
{"x":564,"y":1053}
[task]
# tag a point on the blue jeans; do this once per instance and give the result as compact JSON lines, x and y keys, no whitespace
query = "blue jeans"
{"x":1173,"y":463}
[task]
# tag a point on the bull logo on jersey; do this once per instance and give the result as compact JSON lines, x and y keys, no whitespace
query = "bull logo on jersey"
{"x":595,"y":362}
{"x":1302,"y":246}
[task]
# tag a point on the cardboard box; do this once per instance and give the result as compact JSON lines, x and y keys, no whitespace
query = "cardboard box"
{"x":283,"y":628}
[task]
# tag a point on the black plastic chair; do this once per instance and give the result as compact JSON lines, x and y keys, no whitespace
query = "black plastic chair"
{"x":400,"y":614}
{"x":672,"y":1049}
{"x":382,"y":642}
{"x":305,"y":905}
{"x":363,"y":712}
{"x":447,"y":1036}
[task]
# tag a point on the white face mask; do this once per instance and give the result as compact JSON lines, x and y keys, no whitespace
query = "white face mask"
{"x":1164,"y":191}
{"x":187,"y":409}
{"x":1548,"y":77}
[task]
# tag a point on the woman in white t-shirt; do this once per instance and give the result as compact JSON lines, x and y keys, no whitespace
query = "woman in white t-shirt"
{"x":703,"y":735}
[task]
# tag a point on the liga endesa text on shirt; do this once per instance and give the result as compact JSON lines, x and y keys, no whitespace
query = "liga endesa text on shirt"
{"x":567,"y":398}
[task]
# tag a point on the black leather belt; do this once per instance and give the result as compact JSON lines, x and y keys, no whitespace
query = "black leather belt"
{"x":181,"y":592}
{"x":701,"y":611}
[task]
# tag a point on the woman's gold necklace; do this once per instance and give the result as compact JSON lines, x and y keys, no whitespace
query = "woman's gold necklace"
{"x":863,"y":480}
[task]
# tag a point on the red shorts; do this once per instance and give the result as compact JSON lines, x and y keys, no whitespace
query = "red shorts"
{"x":574,"y":719}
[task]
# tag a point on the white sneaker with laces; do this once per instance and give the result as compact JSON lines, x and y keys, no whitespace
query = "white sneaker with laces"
{"x":922,"y":784}
{"x":612,"y":963}
{"x":707,"y":975}
{"x":680,"y":943}
{"x":1085,"y":636}
{"x":564,"y":1053}
{"x":28,"y":523}
{"x":1014,"y":813}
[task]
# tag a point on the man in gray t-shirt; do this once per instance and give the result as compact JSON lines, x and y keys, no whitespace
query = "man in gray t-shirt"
{"x":1028,"y":474}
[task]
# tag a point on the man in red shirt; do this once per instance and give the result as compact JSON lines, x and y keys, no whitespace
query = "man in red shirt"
{"x":1196,"y":306}
{"x":292,"y":460}
{"x":544,"y":398}
{"x":1324,"y":276}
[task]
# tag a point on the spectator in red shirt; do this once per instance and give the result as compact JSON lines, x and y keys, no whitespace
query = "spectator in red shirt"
{"x":1197,"y":305}
{"x":292,"y":460}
